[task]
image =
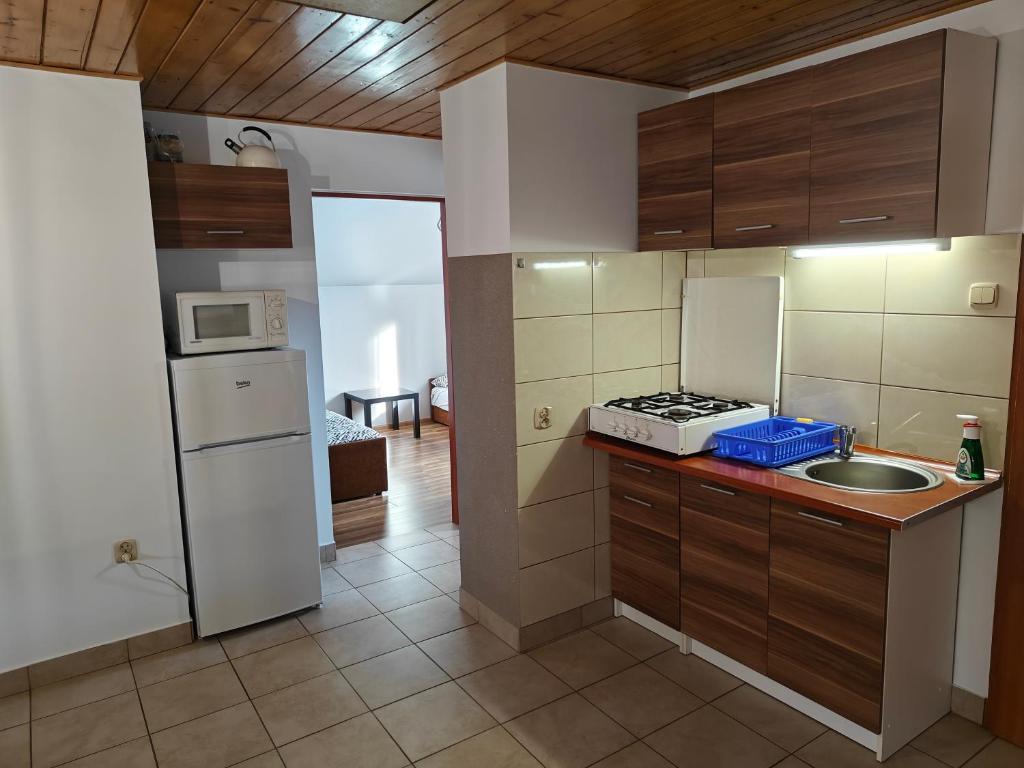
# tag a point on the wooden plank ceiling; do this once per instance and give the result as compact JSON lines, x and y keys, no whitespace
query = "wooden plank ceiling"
{"x":277,"y":60}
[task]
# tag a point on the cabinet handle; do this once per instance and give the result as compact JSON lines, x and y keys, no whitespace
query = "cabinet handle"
{"x":818,"y":518}
{"x":225,"y":231}
{"x":641,"y":502}
{"x":755,"y":226}
{"x":637,"y":467}
{"x":718,"y":490}
{"x":669,"y":231}
{"x":864,"y":219}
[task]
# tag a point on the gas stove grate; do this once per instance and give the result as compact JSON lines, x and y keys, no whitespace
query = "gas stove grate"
{"x":678,"y":407}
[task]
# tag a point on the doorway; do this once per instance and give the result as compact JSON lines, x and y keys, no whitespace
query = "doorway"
{"x":383,"y":315}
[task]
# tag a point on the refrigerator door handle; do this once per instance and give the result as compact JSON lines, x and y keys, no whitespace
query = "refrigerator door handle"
{"x":295,"y":435}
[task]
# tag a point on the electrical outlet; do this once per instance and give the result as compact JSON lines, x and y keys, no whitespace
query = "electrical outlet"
{"x":542,"y":417}
{"x":129,"y":547}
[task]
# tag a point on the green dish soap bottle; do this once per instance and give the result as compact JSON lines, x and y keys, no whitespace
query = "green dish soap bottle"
{"x":970,"y":463}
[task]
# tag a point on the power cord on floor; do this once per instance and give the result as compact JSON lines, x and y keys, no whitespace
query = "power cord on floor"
{"x":126,"y":559}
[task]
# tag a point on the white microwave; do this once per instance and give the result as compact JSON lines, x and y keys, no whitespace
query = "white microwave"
{"x":226,"y":321}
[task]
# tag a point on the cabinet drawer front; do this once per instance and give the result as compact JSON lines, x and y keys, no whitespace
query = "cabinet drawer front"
{"x":676,"y":222}
{"x":730,"y":505}
{"x":268,"y":233}
{"x":646,"y":478}
{"x":645,"y":570}
{"x":646,"y":496}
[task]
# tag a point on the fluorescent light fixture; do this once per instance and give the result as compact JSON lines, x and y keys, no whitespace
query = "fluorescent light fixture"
{"x":871,"y":249}
{"x":560,"y":264}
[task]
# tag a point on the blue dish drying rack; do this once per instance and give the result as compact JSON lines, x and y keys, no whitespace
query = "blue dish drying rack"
{"x":776,"y":442}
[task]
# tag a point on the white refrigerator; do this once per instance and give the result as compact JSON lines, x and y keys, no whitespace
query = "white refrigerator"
{"x":246,"y":473}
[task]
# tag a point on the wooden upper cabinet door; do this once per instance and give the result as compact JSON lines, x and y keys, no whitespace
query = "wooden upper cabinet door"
{"x":674,"y":150}
{"x":828,"y":581}
{"x":875,"y":131}
{"x":762,"y":162}
{"x":219,"y":206}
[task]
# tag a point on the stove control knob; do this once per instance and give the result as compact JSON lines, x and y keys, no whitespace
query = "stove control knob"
{"x":613,"y":426}
{"x":646,"y":434}
{"x":632,"y":432}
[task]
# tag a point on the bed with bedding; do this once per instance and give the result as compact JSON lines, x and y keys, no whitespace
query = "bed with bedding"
{"x":358,"y":457}
{"x":439,"y":399}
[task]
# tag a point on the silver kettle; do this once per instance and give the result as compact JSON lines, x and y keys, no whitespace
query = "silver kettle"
{"x":254,"y":155}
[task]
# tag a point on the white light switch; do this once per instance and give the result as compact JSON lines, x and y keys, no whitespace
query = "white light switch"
{"x":542,"y":417}
{"x":984,"y":294}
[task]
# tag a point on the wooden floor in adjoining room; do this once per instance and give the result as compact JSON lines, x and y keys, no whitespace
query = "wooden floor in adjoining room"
{"x":419,"y":489}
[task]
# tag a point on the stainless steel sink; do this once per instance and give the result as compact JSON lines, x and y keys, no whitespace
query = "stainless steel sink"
{"x":868,"y":474}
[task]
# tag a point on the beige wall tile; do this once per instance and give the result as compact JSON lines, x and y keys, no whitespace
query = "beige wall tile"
{"x":695,"y":263}
{"x":602,"y":514}
{"x":925,"y":423}
{"x":939,"y":283}
{"x":638,"y":381}
{"x":670,"y":378}
{"x":602,"y":571}
{"x":836,"y":283}
{"x":627,"y":340}
{"x":600,"y":469}
{"x":834,"y":345}
{"x":556,"y":528}
{"x":554,"y":469}
{"x":745,"y":262}
{"x":553,"y":347}
{"x":971,"y":355}
{"x":670,"y":330}
{"x":844,"y":402}
{"x":568,"y":400}
{"x":673,"y":270}
{"x":627,"y":282}
{"x":556,"y":586}
{"x":552,"y":284}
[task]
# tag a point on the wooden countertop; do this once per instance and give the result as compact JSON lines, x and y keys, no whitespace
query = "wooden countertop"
{"x":895,"y":511}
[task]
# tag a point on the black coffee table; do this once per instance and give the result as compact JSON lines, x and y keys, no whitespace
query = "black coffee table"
{"x":367,"y":397}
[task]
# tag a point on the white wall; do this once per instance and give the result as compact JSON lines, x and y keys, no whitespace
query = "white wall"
{"x":381,"y":297}
{"x":316,"y":158}
{"x":86,"y":448}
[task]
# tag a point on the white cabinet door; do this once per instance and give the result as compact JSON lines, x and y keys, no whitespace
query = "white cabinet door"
{"x":251,"y":532}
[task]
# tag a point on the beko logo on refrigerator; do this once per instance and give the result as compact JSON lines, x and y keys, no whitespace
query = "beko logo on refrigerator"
{"x":243,"y":384}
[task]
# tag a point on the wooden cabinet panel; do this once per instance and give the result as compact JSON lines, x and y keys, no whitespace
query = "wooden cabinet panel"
{"x":827,"y":597}
{"x":674,"y":150}
{"x":875,"y":129}
{"x":724,"y":568}
{"x":218,"y":206}
{"x":762,"y":162}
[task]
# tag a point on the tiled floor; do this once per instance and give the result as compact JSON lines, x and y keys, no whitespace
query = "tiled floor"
{"x":391,"y":673}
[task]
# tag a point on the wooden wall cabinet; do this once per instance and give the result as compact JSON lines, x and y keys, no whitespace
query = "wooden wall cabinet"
{"x":674,"y":149}
{"x":219,"y":206}
{"x":644,"y":506}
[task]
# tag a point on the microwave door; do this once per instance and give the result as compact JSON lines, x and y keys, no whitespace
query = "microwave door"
{"x":239,"y":322}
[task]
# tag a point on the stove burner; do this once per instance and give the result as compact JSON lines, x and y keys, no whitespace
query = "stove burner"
{"x":678,"y":407}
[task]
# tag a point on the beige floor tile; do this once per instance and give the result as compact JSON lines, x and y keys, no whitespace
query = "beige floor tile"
{"x":337,"y":610}
{"x":178,"y":661}
{"x":466,"y":650}
{"x":491,"y":748}
{"x":641,"y":700}
{"x":769,"y":717}
{"x":305,"y":708}
{"x":632,"y":638}
{"x":83,"y":689}
{"x":694,"y":674}
{"x":433,"y":720}
{"x":160,"y":640}
{"x":443,"y":530}
{"x":14,"y":710}
{"x":569,"y":733}
{"x":15,"y":681}
{"x":356,"y":552}
{"x":89,"y":660}
{"x":15,"y":747}
{"x":82,"y":731}
{"x":583,"y":658}
{"x":399,"y":592}
{"x":358,"y":743}
{"x":513,"y":687}
{"x":447,"y":577}
{"x":134,"y":754}
{"x":830,"y":750}
{"x":454,"y":541}
{"x":709,"y":739}
{"x":221,"y":739}
{"x":190,"y":696}
{"x":262,"y":636}
{"x":266,"y":760}
{"x":361,"y":640}
{"x":372,"y":569}
{"x":283,"y":665}
{"x":953,"y":740}
{"x":384,"y":679}
{"x":402,"y":541}
{"x":999,"y":754}
{"x":637,"y":755}
{"x":430,"y":618}
{"x":331,"y":582}
{"x":427,"y":555}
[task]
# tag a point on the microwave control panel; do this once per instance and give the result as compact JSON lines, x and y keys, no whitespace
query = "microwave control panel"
{"x":277,"y":318}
